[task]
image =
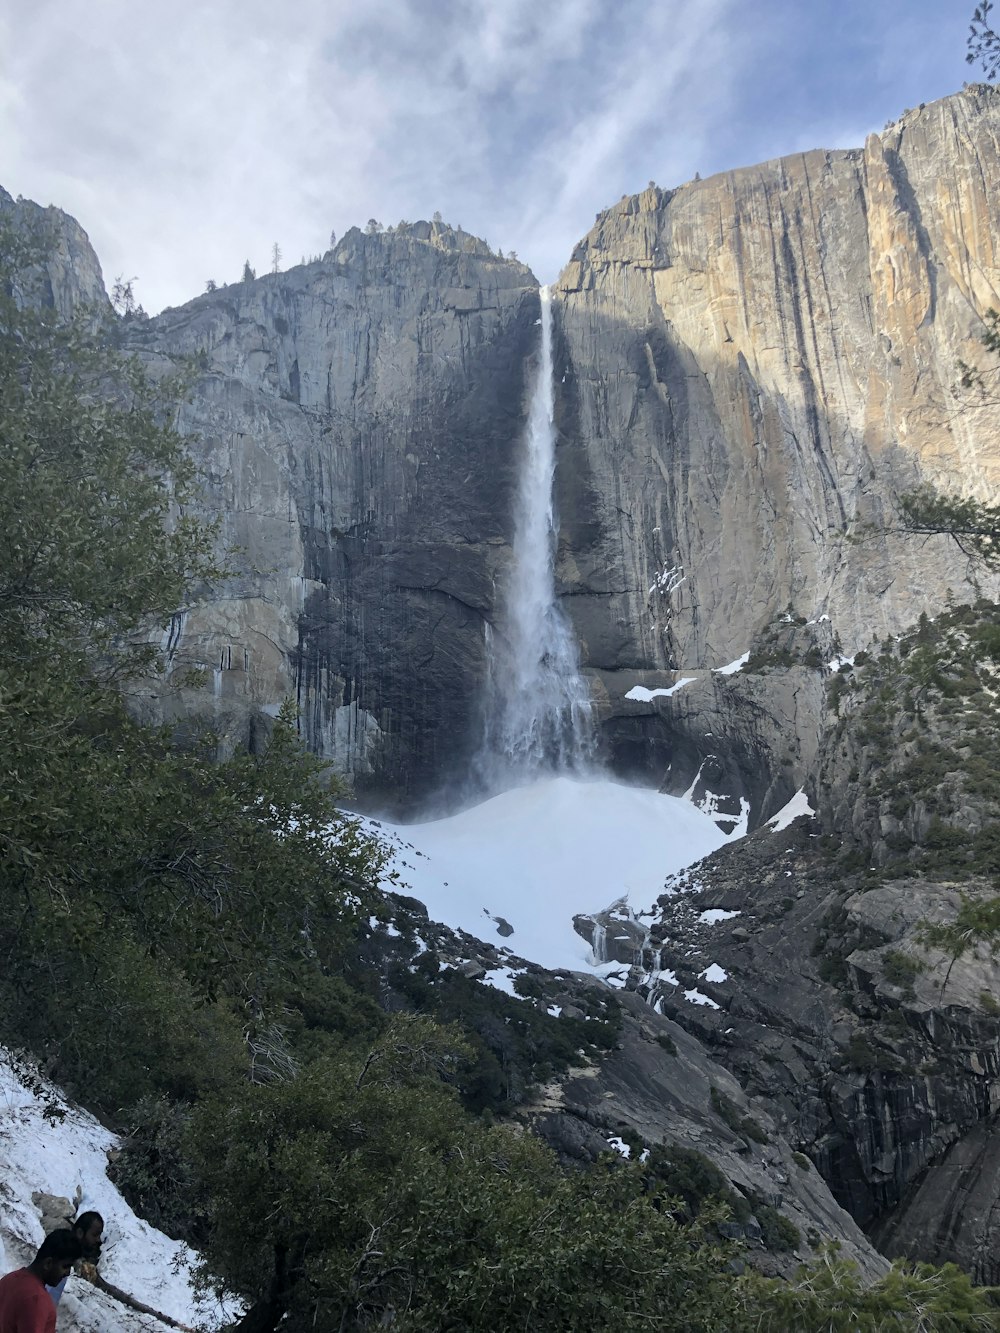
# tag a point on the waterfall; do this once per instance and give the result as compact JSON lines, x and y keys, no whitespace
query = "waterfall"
{"x":538,"y":709}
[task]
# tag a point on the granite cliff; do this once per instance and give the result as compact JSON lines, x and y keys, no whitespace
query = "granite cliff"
{"x":356,"y":421}
{"x":753,"y":367}
{"x":749,"y":370}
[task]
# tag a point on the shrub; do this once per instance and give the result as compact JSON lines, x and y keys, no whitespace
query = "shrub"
{"x":901,"y":969}
{"x":727,"y":1109}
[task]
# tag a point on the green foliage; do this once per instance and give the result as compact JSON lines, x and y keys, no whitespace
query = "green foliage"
{"x":688,"y":1176}
{"x":831,"y":1296}
{"x":972,"y":524}
{"x":779,"y":1235}
{"x":362,"y":1188}
{"x":167,"y":908}
{"x":986,"y":639}
{"x":153,"y":1172}
{"x":984,"y":48}
{"x":977,"y":922}
{"x":90,"y":474}
{"x":860,"y":1054}
{"x":158,"y":911}
{"x":517,"y":1044}
{"x":901,"y":969}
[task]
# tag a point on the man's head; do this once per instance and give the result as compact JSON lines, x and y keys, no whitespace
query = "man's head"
{"x":58,"y":1253}
{"x":88,"y":1228}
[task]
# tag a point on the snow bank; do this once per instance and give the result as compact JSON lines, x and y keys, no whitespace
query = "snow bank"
{"x":731,"y":668}
{"x":56,"y":1153}
{"x":538,"y":855}
{"x":798,"y":805}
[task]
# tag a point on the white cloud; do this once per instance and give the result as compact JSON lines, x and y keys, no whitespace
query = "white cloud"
{"x":187,"y":137}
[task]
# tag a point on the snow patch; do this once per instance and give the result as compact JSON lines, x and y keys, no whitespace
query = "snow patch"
{"x":715,"y":914}
{"x":798,"y":805}
{"x":669,"y":578}
{"x":714,"y":973}
{"x":538,"y":855}
{"x":58,"y":1153}
{"x":731,"y":668}
{"x":502,"y":978}
{"x":699,"y":997}
{"x":644,"y":696}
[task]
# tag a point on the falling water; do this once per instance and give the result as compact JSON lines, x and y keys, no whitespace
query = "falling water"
{"x":538,"y":710}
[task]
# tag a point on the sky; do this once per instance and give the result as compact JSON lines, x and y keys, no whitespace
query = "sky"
{"x":190,"y":136}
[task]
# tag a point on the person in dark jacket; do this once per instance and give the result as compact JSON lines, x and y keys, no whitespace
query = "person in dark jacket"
{"x":88,"y":1229}
{"x":25,"y":1305}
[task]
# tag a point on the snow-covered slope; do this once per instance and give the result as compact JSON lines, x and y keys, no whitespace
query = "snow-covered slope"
{"x":517,"y":868}
{"x":47,"y":1144}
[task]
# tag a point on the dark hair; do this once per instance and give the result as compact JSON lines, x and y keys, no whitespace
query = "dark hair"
{"x":86,"y":1220}
{"x":61,"y":1244}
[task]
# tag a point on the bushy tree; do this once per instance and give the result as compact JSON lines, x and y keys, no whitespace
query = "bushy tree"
{"x":96,"y":537}
{"x":361,"y":1195}
{"x":155,"y":907}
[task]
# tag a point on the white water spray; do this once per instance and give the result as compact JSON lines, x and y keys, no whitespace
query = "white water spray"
{"x":538,"y":708}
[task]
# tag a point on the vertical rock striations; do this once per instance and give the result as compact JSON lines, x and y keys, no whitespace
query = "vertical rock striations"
{"x":356,"y":419}
{"x":748,"y":371}
{"x":752,"y":368}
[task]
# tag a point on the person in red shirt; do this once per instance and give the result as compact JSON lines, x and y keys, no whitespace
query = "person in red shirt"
{"x":25,"y":1305}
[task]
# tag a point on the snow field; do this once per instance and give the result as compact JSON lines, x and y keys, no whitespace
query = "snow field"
{"x":536,"y":856}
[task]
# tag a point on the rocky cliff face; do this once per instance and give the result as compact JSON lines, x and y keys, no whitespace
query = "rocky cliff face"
{"x":357,"y":421}
{"x":752,"y":368}
{"x":749,"y":369}
{"x":809,"y":961}
{"x":72,"y":273}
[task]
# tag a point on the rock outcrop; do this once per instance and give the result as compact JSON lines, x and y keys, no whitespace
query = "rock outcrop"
{"x":661,"y":1086}
{"x":844,"y":968}
{"x":71,"y":273}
